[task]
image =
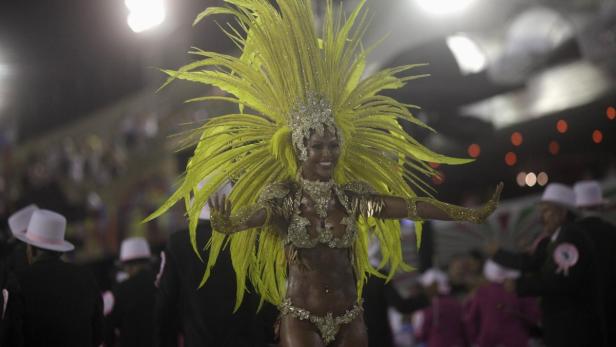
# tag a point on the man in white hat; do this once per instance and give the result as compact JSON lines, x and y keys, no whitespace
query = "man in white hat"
{"x":13,"y":257}
{"x":566,"y":280}
{"x":590,"y":202}
{"x":15,"y":252}
{"x":133,"y":299}
{"x":203,"y":316}
{"x":62,"y":303}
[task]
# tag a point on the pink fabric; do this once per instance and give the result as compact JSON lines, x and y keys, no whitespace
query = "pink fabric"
{"x":443,"y":324}
{"x":38,"y":238}
{"x":565,"y":256}
{"x":496,"y":317}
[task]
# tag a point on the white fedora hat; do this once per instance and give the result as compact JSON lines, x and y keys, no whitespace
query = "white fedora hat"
{"x":134,"y":248}
{"x":18,"y":221}
{"x":46,"y":231}
{"x":588,"y":194}
{"x":494,"y":272}
{"x":559,"y":194}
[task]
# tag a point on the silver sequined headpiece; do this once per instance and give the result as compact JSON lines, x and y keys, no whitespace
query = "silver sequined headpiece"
{"x":313,"y":115}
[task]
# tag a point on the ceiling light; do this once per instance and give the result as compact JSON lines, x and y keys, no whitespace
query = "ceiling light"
{"x":443,"y":7}
{"x":468,"y":55}
{"x":145,"y":14}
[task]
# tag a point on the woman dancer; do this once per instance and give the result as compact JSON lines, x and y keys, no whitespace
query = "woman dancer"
{"x":319,"y":164}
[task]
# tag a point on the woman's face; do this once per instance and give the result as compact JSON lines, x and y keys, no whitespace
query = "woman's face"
{"x":323,"y":153}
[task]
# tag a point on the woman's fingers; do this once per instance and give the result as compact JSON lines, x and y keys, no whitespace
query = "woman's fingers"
{"x":223,"y":204}
{"x":228,"y":206}
{"x":499,"y":189}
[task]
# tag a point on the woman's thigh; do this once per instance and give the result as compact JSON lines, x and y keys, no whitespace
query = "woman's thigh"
{"x":298,"y":333}
{"x":352,"y":335}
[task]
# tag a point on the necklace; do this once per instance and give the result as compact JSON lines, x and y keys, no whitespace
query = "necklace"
{"x":320,"y":193}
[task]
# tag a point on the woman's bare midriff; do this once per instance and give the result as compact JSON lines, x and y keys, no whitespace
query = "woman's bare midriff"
{"x":322,"y":280}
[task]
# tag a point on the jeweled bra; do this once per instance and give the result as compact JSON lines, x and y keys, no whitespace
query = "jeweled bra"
{"x":298,"y":234}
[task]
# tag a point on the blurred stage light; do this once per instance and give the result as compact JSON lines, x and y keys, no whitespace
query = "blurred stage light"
{"x":511,"y":158}
{"x":144,"y":14}
{"x":562,"y":126}
{"x":554,"y":147}
{"x":531,"y":179}
{"x":516,"y":138}
{"x":542,"y":178}
{"x":443,"y":7}
{"x":520,"y":179}
{"x":611,"y":113}
{"x":474,"y":150}
{"x":468,"y":55}
{"x":439,"y":178}
{"x":597,"y":136}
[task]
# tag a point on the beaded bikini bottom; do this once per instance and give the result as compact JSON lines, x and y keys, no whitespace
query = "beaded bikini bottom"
{"x":328,"y":325}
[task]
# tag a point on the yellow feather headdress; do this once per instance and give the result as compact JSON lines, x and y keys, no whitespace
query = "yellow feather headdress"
{"x":283,"y":63}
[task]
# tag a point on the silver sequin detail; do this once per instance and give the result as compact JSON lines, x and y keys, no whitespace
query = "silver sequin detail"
{"x":328,"y":325}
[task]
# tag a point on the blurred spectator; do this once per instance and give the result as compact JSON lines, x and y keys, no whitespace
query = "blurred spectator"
{"x":11,"y":305}
{"x":567,"y":279}
{"x":381,"y":296}
{"x":441,"y":324}
{"x":496,"y":317}
{"x":204,"y":316}
{"x":131,"y":315}
{"x":62,"y":304}
{"x":590,"y":202}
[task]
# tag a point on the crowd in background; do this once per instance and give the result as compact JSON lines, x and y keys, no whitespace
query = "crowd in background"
{"x":556,"y":293}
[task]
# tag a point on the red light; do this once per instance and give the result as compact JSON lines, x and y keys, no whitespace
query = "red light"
{"x":611,"y":113}
{"x":562,"y":126}
{"x":597,"y":136}
{"x":511,"y":158}
{"x":516,"y":138}
{"x":439,"y":178}
{"x":554,"y":147}
{"x":474,"y":150}
{"x":434,"y":165}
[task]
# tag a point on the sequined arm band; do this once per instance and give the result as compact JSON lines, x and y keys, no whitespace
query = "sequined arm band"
{"x":411,"y":209}
{"x":371,"y":205}
{"x":237,"y":222}
{"x":459,"y":213}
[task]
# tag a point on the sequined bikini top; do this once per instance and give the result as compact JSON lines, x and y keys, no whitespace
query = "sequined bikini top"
{"x":285,"y":199}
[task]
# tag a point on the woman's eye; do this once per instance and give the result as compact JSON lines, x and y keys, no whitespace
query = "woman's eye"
{"x":317,"y":147}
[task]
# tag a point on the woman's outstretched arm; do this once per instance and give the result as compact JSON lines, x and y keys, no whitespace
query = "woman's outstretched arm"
{"x":423,"y":208}
{"x":245,"y":218}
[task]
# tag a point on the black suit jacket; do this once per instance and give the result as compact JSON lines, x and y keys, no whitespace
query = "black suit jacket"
{"x":62,"y":305}
{"x":132,"y":313}
{"x":204,"y":316}
{"x":603,"y":237}
{"x":569,"y":301}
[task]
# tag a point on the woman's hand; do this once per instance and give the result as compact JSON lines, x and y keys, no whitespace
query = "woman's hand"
{"x":220,"y":206}
{"x":486,"y":210}
{"x":220,"y":214}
